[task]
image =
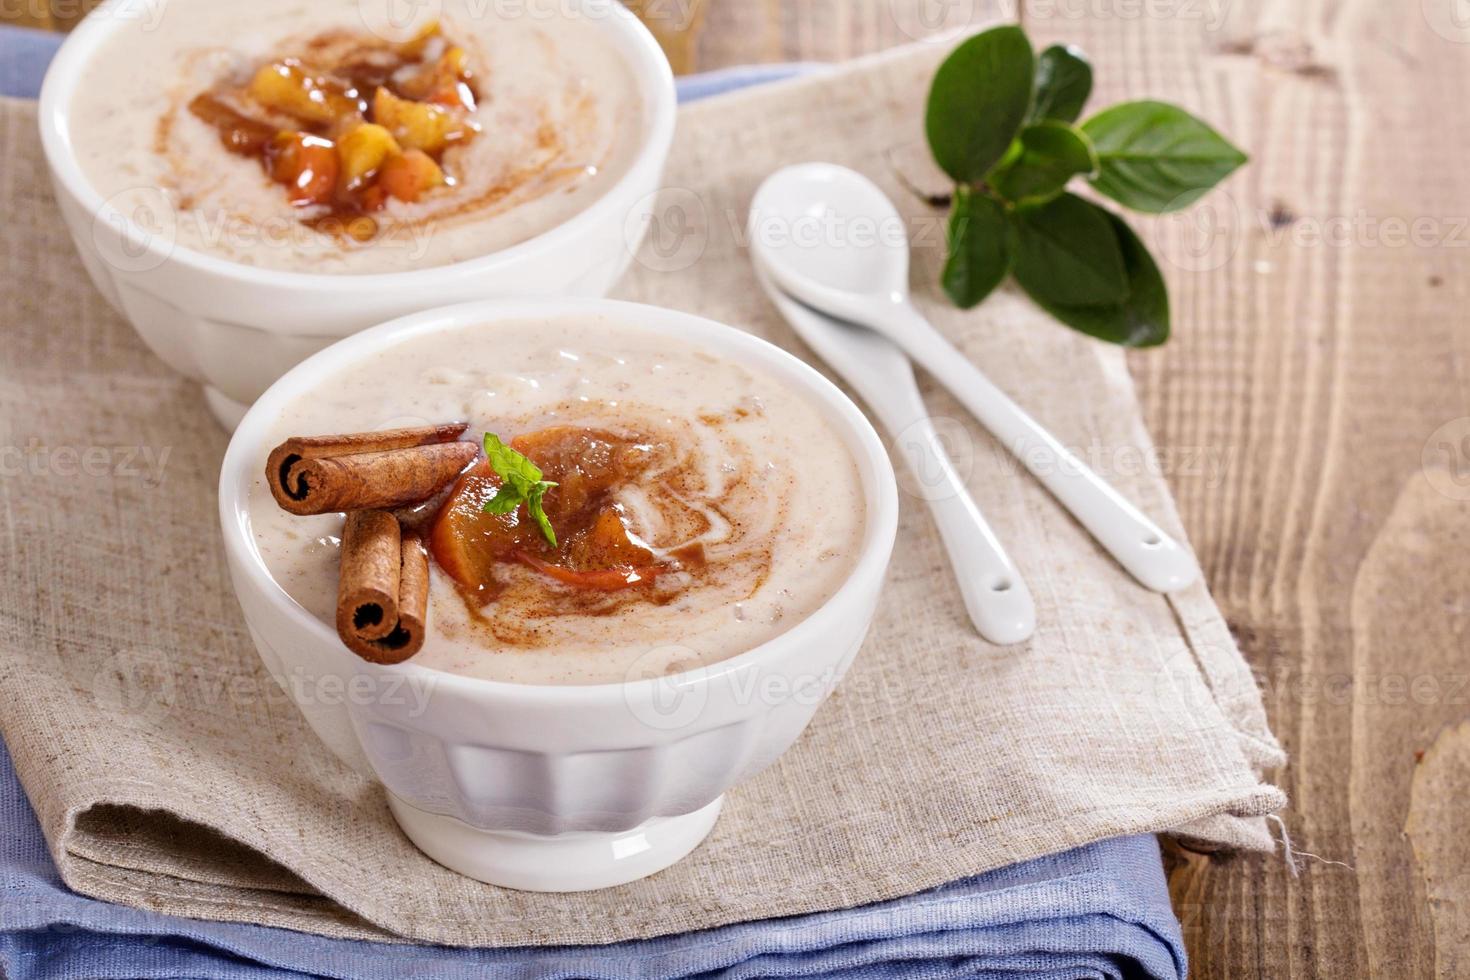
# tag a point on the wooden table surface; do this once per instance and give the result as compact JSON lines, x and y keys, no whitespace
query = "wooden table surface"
{"x":1313,"y":415}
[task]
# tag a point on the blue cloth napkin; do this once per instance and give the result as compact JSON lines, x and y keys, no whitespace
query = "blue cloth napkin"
{"x":24,"y":55}
{"x":1098,"y":911}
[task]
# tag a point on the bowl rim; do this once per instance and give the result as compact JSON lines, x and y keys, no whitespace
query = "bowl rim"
{"x":641,"y":51}
{"x":247,"y":449}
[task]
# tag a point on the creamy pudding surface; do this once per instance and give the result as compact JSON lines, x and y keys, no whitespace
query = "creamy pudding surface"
{"x":738,"y":501}
{"x":538,"y":118}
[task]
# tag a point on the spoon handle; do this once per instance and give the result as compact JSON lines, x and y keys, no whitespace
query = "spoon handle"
{"x":882,"y":375}
{"x":1137,"y":543}
{"x":996,"y":597}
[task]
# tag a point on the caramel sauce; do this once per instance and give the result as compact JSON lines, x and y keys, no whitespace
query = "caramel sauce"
{"x":239,"y":133}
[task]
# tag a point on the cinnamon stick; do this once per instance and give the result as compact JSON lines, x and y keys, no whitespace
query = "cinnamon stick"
{"x":383,"y":593}
{"x":366,"y":470}
{"x":413,"y":595}
{"x":367,"y":586}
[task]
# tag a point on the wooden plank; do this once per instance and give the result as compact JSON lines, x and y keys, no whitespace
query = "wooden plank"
{"x":29,"y":13}
{"x":749,"y":31}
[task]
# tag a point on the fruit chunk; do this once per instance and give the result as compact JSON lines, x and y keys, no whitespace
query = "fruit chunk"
{"x":362,"y":150}
{"x":445,"y":81}
{"x":606,"y":543}
{"x":287,"y":87}
{"x":414,"y":46}
{"x":419,"y":125}
{"x":467,"y":542}
{"x":306,"y":164}
{"x":604,"y":555}
{"x":410,"y":175}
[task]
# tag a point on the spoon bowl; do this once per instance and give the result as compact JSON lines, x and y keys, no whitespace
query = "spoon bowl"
{"x":821,"y":229}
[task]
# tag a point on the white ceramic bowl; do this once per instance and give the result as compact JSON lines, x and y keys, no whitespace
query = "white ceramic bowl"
{"x":237,"y":328}
{"x":558,"y":788}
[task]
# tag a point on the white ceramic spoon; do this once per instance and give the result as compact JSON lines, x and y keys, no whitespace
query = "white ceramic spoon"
{"x":995,"y":595}
{"x":831,"y":238}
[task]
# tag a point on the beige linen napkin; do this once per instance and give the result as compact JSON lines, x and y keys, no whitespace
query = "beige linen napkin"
{"x":169,"y":772}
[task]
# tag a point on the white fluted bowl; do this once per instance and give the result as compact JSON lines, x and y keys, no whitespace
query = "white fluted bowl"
{"x":558,"y":788}
{"x":237,"y":328}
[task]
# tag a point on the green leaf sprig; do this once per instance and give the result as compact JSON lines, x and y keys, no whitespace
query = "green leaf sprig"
{"x":520,"y":483}
{"x":1002,"y":122}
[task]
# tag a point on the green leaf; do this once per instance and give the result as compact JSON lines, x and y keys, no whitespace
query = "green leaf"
{"x":1156,"y":157}
{"x":512,"y":467}
{"x":1067,"y":250}
{"x":1142,"y":319}
{"x":976,"y":239}
{"x":977,"y":102}
{"x":503,"y":502}
{"x":1051,"y":154}
{"x":533,"y":504}
{"x":1063,"y":83}
{"x":520,"y":483}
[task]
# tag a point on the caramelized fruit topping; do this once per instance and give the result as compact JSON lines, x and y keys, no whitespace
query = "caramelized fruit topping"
{"x":344,"y":135}
{"x":598,"y":550}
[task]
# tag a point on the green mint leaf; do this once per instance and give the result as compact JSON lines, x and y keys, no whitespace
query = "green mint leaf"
{"x":1155,"y":157}
{"x":978,"y":258}
{"x":533,"y":504}
{"x":1051,"y":153}
{"x":1063,"y":83}
{"x":520,"y":483}
{"x":1140,"y":320}
{"x":516,"y":470}
{"x":504,"y":501}
{"x":1068,"y":251}
{"x":977,"y":101}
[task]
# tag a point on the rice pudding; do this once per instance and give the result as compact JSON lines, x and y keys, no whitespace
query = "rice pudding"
{"x":695,"y":506}
{"x":297,"y":135}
